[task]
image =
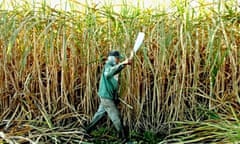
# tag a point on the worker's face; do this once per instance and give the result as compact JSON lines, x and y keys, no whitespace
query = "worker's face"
{"x":117,"y":60}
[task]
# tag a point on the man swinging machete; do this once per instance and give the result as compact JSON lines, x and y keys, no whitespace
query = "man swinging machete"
{"x":108,"y":89}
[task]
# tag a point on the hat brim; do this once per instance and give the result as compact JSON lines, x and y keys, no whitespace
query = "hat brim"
{"x":120,"y":57}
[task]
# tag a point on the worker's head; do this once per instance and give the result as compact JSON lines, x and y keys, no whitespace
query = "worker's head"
{"x":114,"y":56}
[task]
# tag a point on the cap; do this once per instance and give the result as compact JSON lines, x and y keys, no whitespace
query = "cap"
{"x":116,"y":54}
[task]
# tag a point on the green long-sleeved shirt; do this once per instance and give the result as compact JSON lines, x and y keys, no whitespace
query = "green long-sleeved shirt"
{"x":108,"y":86}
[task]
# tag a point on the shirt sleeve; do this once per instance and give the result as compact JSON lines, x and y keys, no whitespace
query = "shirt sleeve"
{"x":111,"y":71}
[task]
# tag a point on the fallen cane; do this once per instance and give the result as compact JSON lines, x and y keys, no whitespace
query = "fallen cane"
{"x":128,"y":105}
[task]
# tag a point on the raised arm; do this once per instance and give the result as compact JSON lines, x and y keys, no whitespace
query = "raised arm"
{"x":116,"y":69}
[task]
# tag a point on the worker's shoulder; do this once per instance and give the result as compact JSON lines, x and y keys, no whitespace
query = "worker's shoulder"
{"x":108,"y":65}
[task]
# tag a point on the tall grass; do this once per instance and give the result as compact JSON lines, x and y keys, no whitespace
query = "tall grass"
{"x":51,"y":61}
